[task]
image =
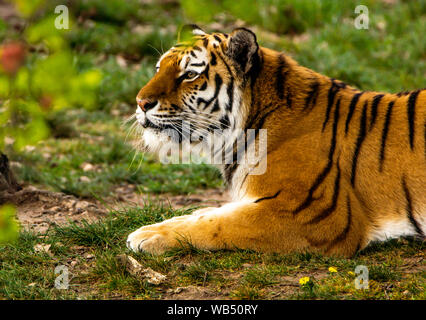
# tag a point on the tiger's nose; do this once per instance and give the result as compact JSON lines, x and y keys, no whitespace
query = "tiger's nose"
{"x":146,"y":104}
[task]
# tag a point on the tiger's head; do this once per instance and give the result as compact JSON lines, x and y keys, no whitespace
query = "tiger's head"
{"x":198,"y":88}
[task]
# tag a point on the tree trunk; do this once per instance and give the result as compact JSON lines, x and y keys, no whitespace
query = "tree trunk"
{"x":8,"y":182}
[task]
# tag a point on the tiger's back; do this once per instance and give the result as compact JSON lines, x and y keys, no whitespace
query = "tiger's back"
{"x":353,"y":165}
{"x":388,"y":162}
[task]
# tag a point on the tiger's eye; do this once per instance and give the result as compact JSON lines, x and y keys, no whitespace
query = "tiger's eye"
{"x":191,"y":74}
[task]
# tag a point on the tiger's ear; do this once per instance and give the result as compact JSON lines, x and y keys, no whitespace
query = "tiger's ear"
{"x":188,"y":31}
{"x":243,"y":48}
{"x":196,"y":30}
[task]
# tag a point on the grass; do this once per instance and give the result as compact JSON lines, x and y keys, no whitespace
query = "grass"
{"x":124,"y":39}
{"x":59,"y":164}
{"x":89,"y":250}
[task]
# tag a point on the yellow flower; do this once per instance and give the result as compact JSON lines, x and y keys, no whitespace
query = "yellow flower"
{"x":351,"y":273}
{"x":332,"y":270}
{"x":304,"y":280}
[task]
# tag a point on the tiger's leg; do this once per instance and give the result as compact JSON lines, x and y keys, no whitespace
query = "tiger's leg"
{"x":243,"y":225}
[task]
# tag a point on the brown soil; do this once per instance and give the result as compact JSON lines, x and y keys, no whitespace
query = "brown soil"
{"x":38,"y":209}
{"x":192,"y":293}
{"x":211,"y":198}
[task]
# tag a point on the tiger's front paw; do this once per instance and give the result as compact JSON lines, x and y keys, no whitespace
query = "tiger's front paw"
{"x":151,"y":241}
{"x":160,"y":237}
{"x":200,"y":230}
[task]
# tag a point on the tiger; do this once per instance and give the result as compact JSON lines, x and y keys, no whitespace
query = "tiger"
{"x":344,"y":167}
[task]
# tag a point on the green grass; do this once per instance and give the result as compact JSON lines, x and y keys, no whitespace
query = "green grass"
{"x":384,"y":58}
{"x":59,"y":164}
{"x":96,"y":273}
{"x":389,"y":56}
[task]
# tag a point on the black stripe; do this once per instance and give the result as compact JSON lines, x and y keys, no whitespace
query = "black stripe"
{"x":206,"y":72}
{"x":280,"y":78}
{"x":191,"y":108}
{"x":179,"y":80}
{"x":330,"y":101}
{"x":224,"y":62}
{"x":358,"y":246}
{"x":385,"y":134}
{"x":267,"y":198}
{"x":198,"y":64}
{"x":359,"y":141}
{"x":257,"y":66}
{"x":258,"y":123}
{"x":187,"y":62}
{"x":174,"y":106}
{"x":203,"y":86}
{"x":197,"y":48}
{"x":230,"y":89}
{"x":218,"y":39}
{"x":288,"y":98}
{"x":374,"y":106}
{"x":193,"y":54}
{"x":409,"y":208}
{"x":213,"y":59}
{"x":218,"y":82}
{"x":330,"y":209}
{"x":245,"y":177}
{"x":215,"y":106}
{"x":340,"y":237}
{"x":230,"y":93}
{"x":320,"y":178}
{"x":352,"y":106}
{"x":411,"y":111}
{"x":212,"y":127}
{"x":229,"y":170}
{"x":311,"y":96}
{"x":224,"y":122}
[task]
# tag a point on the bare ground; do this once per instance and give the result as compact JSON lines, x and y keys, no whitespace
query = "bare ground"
{"x":38,"y":209}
